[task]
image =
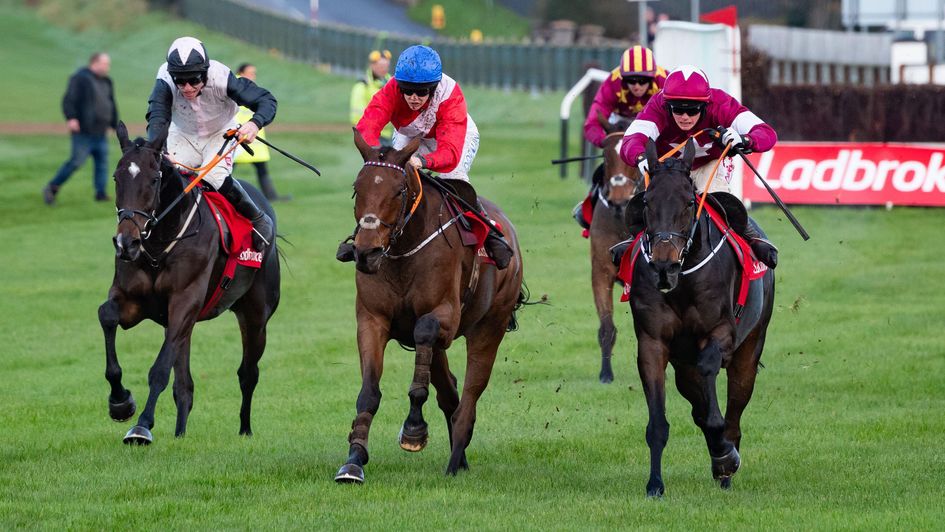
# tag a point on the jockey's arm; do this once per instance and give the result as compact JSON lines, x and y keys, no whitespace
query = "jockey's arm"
{"x":604,"y":103}
{"x":647,"y":125}
{"x":246,"y":93}
{"x":160,"y":105}
{"x":378,"y":113}
{"x":451,"y":122}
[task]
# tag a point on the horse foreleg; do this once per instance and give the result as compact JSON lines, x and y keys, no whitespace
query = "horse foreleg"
{"x":652,"y":358}
{"x":373,"y":334}
{"x":725,"y":460}
{"x":182,"y":316}
{"x":253,"y":331}
{"x":426,"y":333}
{"x":602,"y":282}
{"x":121,"y":404}
{"x":481,"y":347}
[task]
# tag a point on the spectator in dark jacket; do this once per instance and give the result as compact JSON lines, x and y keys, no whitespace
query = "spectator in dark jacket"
{"x":89,"y":107}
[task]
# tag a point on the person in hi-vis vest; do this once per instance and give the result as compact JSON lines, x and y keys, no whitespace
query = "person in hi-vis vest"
{"x":260,"y":156}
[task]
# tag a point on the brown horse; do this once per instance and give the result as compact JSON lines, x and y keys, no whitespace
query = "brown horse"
{"x":685,"y":312}
{"x":166,"y":269}
{"x":417,"y":284}
{"x":616,"y":182}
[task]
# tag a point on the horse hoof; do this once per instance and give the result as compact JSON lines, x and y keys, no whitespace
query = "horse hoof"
{"x":412,"y":443}
{"x":725,"y":483}
{"x":138,"y":435}
{"x":726,"y":466}
{"x":655,"y":492}
{"x":455,"y":465}
{"x":606,"y":377}
{"x":122,"y":411}
{"x":350,"y":474}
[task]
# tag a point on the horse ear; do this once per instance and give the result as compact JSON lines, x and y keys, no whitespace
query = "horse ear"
{"x":603,"y":122}
{"x":367,"y":151}
{"x":651,"y":158}
{"x":689,"y":152}
{"x":402,"y":156}
{"x":157,"y":143}
{"x":122,"y":132}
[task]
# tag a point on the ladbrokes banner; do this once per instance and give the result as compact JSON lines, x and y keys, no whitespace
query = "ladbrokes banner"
{"x":849,"y":174}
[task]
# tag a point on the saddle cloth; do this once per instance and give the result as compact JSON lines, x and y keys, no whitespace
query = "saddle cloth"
{"x":236,"y":239}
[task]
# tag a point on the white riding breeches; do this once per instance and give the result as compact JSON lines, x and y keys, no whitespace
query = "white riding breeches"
{"x":720,"y":183}
{"x":196,"y":151}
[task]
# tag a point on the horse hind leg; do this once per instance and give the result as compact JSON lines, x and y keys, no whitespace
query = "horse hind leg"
{"x":447,"y":396}
{"x":183,"y":391}
{"x":482,"y":344}
{"x":253,"y":332}
{"x":414,"y":434}
{"x":741,"y":373}
{"x":724,"y":455}
{"x":121,"y":404}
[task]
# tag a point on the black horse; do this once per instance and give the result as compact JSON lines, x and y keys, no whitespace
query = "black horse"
{"x":167,"y":268}
{"x":685,"y":312}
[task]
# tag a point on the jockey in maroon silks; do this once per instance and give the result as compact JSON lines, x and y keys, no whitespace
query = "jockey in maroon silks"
{"x":424,"y":103}
{"x":686,"y":106}
{"x":620,"y":97}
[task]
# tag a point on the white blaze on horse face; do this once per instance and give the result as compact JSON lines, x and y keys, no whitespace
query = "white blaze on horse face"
{"x":378,"y":179}
{"x":618,"y":180}
{"x":133,"y":170}
{"x":369,"y":221}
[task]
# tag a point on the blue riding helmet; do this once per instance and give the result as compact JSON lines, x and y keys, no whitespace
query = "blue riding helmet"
{"x":419,"y":64}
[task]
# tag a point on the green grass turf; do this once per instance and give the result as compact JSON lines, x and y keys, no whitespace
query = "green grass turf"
{"x":844,"y":431}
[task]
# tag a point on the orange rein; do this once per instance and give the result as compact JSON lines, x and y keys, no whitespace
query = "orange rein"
{"x":416,"y":202}
{"x":667,"y":155}
{"x":711,"y":177}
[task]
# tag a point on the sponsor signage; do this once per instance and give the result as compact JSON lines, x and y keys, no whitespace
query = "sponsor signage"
{"x":849,"y":174}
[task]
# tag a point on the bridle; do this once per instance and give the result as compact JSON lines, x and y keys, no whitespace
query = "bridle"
{"x":397,"y":228}
{"x":668,"y":236}
{"x":150,"y":220}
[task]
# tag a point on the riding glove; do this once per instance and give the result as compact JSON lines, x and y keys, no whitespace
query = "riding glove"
{"x":643,"y":166}
{"x":737,"y":140}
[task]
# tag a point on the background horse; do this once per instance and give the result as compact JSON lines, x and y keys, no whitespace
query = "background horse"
{"x":617,"y":182}
{"x":165,"y":271}
{"x":418,"y":284}
{"x":683,"y":304}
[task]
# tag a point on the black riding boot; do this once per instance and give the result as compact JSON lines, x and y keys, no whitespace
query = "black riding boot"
{"x":618,"y":249}
{"x":262,"y":223}
{"x":499,"y":250}
{"x":764,"y":250}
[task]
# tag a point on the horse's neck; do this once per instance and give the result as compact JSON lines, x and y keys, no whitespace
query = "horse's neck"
{"x":425,"y":220}
{"x":172,"y":187}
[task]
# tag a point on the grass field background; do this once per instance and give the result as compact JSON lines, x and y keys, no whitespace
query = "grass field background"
{"x":844,"y":431}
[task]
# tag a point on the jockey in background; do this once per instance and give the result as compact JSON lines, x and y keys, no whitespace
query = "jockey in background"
{"x":194,"y":102}
{"x":621,"y":97}
{"x":422,"y":102}
{"x":686,"y":106}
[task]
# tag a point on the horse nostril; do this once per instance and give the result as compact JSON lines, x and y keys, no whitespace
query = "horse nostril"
{"x":674,"y":268}
{"x":115,"y":242}
{"x":135,"y":243}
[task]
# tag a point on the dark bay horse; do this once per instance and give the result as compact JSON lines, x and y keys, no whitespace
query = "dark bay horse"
{"x":683,"y":299}
{"x":417,"y":284}
{"x":619,"y":181}
{"x":166,"y":270}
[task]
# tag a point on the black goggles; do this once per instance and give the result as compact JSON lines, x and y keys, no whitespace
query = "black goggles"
{"x":688,"y":109}
{"x":419,"y":91}
{"x":637,"y":80}
{"x":193,"y":81}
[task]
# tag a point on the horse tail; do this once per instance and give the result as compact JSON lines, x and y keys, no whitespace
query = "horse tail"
{"x":524,"y":298}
